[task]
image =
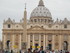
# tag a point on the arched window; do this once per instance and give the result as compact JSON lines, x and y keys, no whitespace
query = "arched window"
{"x":9,"y":25}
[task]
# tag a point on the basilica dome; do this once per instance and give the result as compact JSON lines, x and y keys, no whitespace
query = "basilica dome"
{"x":41,"y":11}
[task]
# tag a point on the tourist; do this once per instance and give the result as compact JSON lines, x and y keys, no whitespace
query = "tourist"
{"x":20,"y":51}
{"x":35,"y":51}
{"x":29,"y":51}
{"x":53,"y":51}
{"x":61,"y":51}
{"x":41,"y":50}
{"x":11,"y":51}
{"x":67,"y":52}
{"x":47,"y":51}
{"x":50,"y":51}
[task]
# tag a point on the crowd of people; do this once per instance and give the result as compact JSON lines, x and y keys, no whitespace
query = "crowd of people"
{"x":46,"y":51}
{"x":38,"y":51}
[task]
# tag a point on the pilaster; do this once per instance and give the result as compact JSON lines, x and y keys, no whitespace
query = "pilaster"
{"x":69,"y":42}
{"x":46,"y":40}
{"x":53,"y":42}
{"x":39,"y":40}
{"x":60,"y":42}
{"x":44,"y":43}
{"x":4,"y":44}
{"x":13,"y":42}
{"x":20,"y":41}
{"x":33,"y":41}
{"x":28,"y":41}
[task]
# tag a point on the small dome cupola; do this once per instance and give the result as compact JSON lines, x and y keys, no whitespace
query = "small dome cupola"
{"x":41,"y":3}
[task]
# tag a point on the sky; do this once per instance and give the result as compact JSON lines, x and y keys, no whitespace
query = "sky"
{"x":14,"y":9}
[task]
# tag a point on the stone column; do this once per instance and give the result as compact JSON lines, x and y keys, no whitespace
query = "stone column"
{"x":13,"y":42}
{"x":33,"y":41}
{"x":60,"y":42}
{"x":53,"y":42}
{"x":28,"y":41}
{"x":69,"y":42}
{"x":4,"y":41}
{"x":44,"y":43}
{"x":40,"y":40}
{"x":20,"y":42}
{"x":46,"y":40}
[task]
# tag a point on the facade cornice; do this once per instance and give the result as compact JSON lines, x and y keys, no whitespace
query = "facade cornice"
{"x":13,"y":31}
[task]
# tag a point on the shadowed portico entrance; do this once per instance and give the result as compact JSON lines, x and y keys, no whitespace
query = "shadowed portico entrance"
{"x":65,"y":45}
{"x":49,"y":46}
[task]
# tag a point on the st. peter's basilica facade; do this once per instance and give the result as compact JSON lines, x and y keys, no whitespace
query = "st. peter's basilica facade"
{"x":39,"y":31}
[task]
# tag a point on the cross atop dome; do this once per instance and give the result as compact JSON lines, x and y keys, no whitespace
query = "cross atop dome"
{"x":41,"y":3}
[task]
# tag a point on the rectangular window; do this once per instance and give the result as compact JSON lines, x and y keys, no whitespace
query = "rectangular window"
{"x":65,"y":26}
{"x":9,"y":25}
{"x":49,"y":37}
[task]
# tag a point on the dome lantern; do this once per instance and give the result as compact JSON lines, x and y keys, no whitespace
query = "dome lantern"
{"x":41,"y":3}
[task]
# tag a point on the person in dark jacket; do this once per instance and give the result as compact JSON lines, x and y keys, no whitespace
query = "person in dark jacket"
{"x":11,"y":51}
{"x":29,"y":51}
{"x":20,"y":51}
{"x":41,"y":50}
{"x":67,"y":52}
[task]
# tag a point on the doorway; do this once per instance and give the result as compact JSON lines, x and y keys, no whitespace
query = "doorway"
{"x":49,"y":46}
{"x":8,"y":44}
{"x":65,"y":45}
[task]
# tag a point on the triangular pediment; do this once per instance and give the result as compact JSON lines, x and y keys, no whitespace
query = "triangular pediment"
{"x":36,"y":28}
